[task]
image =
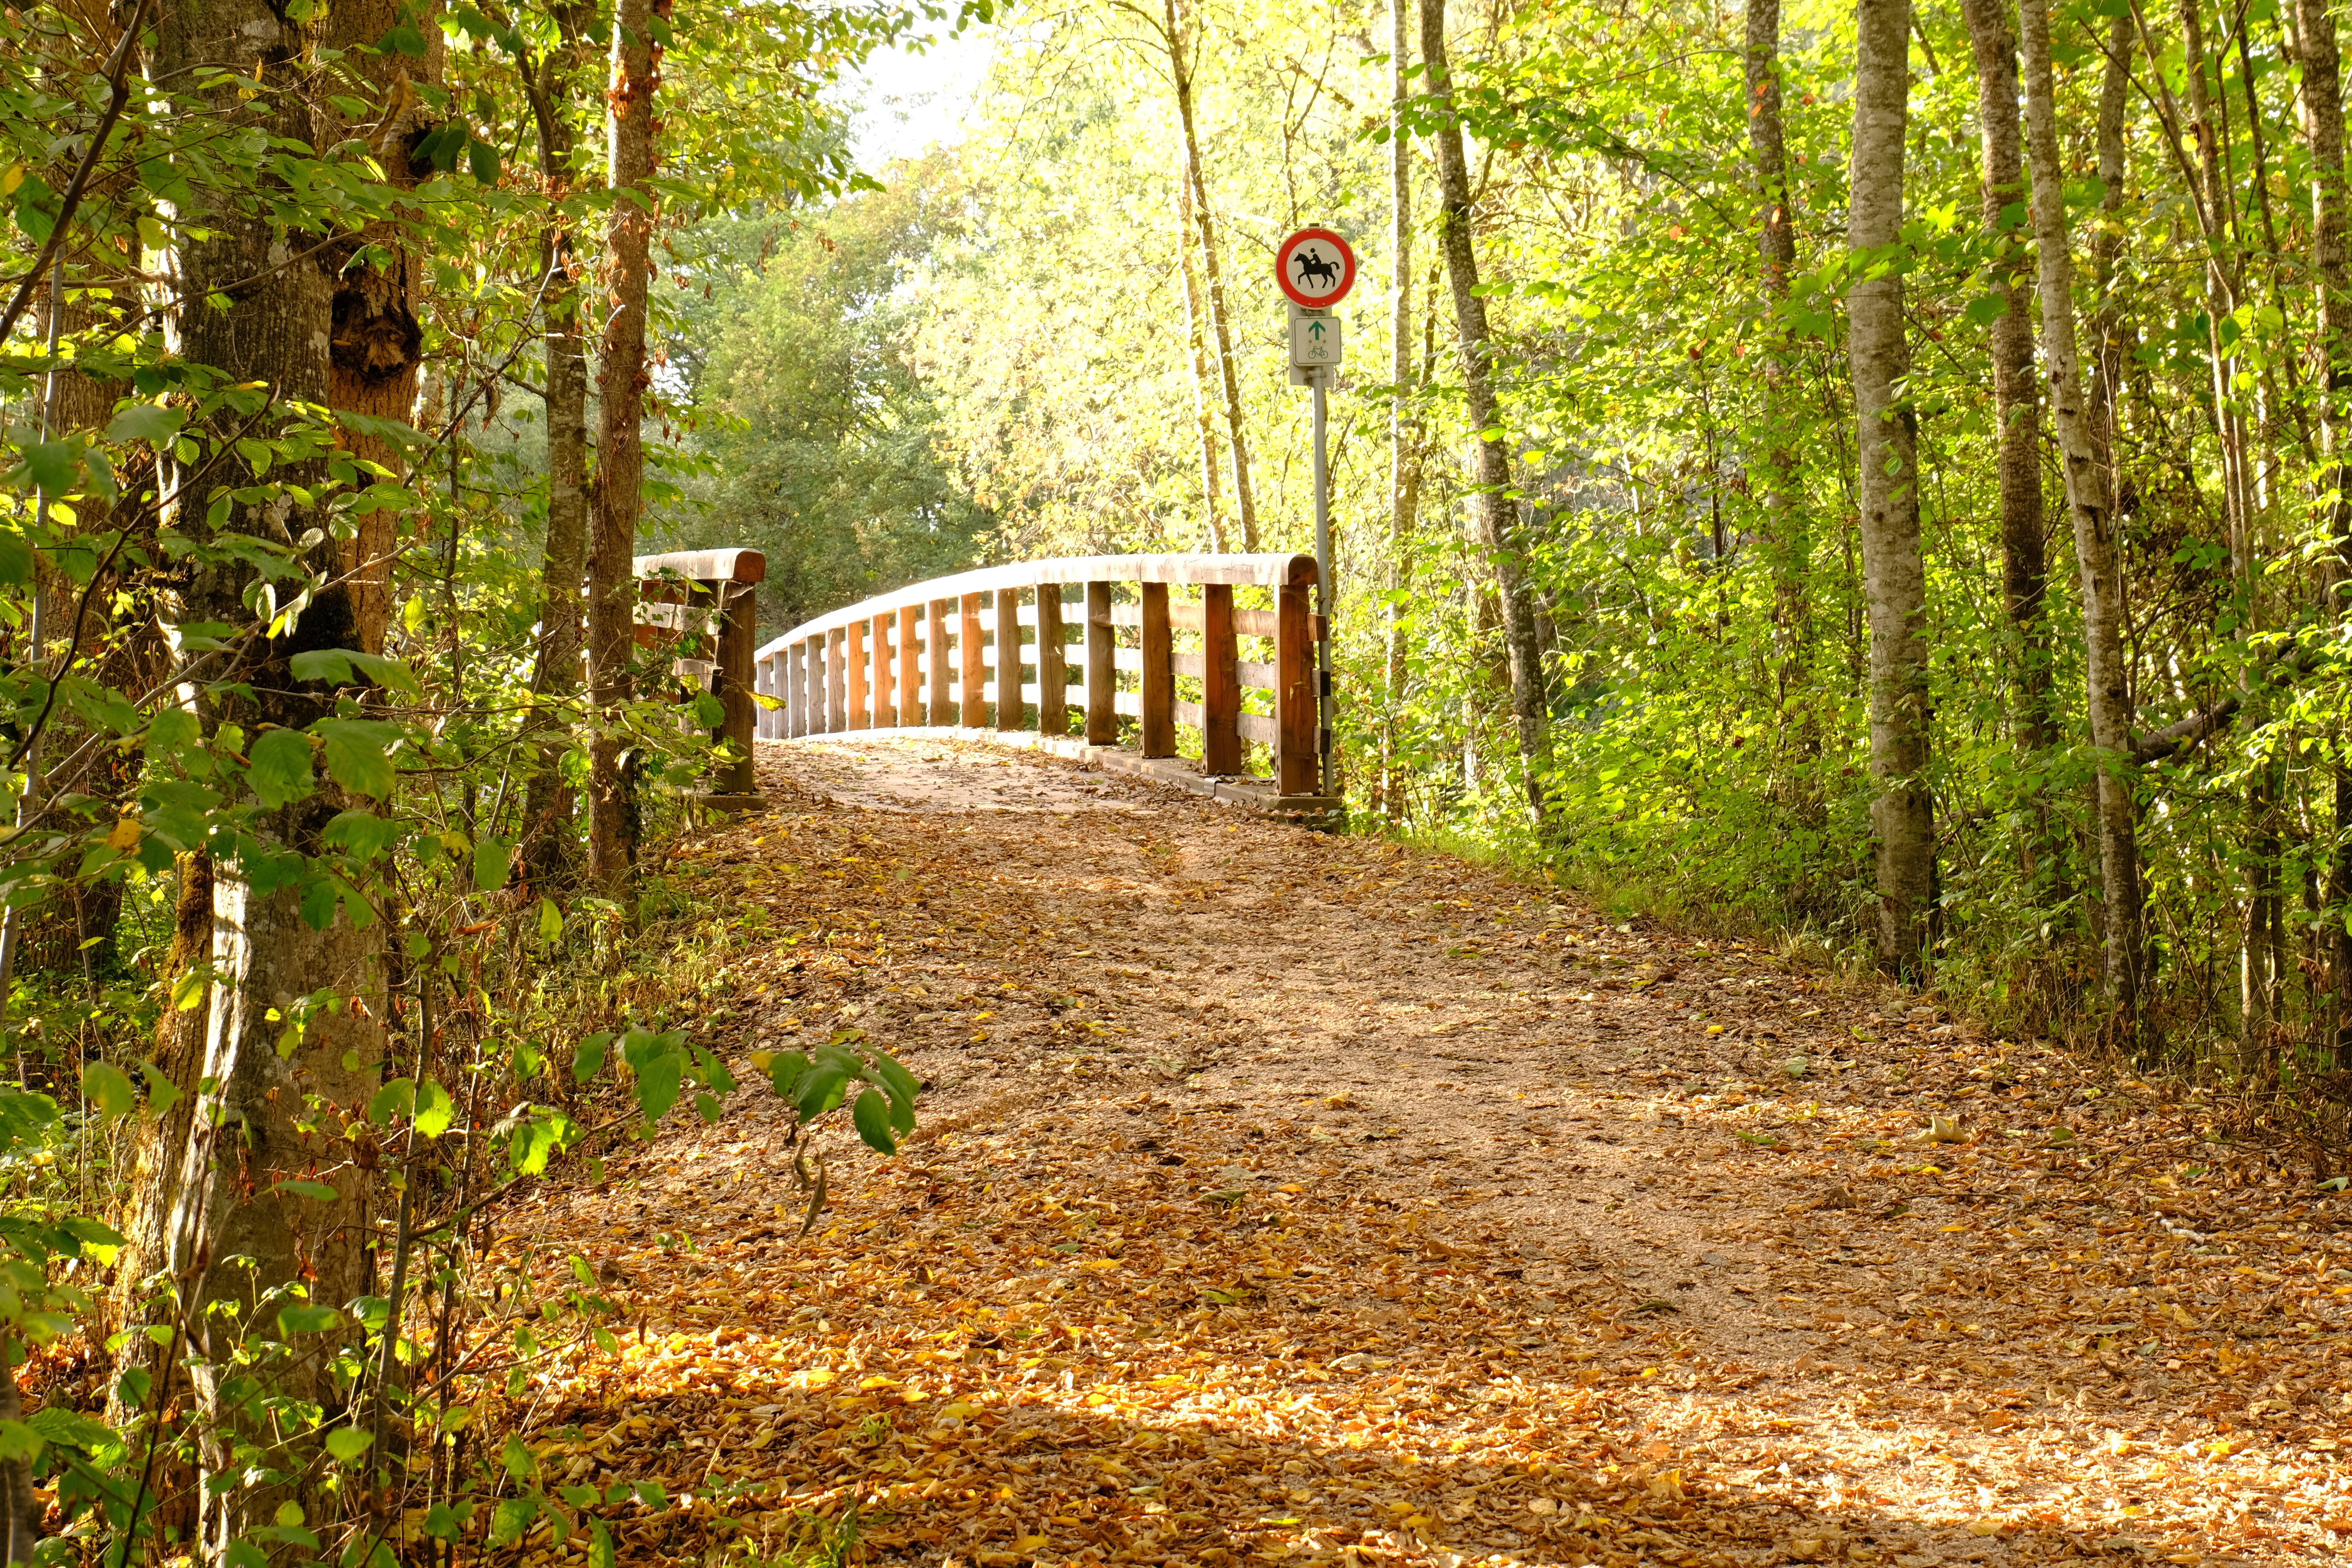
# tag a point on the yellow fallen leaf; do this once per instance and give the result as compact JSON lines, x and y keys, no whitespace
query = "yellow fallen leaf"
{"x":1984,"y":1527}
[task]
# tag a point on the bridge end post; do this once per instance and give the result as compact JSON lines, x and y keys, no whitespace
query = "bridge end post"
{"x":1102,"y":668}
{"x":1221,"y":684}
{"x":1297,"y":760}
{"x":1158,"y":738}
{"x":1052,"y":675}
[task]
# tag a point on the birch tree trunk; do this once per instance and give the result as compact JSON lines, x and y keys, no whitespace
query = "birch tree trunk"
{"x":1895,"y":583}
{"x":2090,"y":503}
{"x":2322,"y":123}
{"x":1197,"y":339}
{"x":1492,"y":462}
{"x":555,"y":669}
{"x":1180,"y":69}
{"x":1786,"y":536}
{"x":1404,"y":466}
{"x":622,"y":379}
{"x":2016,"y":408}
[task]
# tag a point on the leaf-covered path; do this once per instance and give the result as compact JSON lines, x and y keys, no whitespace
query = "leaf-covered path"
{"x":1284,"y":1196}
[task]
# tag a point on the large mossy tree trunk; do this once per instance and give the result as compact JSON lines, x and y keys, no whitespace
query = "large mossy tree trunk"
{"x":1894,"y":579}
{"x":276,"y":1049}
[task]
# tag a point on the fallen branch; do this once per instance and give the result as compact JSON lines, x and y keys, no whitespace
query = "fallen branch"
{"x":2178,"y":737}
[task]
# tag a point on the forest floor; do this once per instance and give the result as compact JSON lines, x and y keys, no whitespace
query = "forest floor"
{"x":1289,"y":1196}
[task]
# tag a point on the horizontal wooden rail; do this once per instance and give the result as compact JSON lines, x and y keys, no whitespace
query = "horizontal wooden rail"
{"x":945,"y":653}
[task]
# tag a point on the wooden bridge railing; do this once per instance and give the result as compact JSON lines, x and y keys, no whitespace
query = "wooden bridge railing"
{"x":943,"y":655}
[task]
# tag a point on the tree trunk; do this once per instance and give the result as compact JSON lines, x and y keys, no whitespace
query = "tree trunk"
{"x":2323,"y":122}
{"x":264,"y":1054}
{"x":379,"y":343}
{"x":555,"y":674}
{"x":1180,"y":68}
{"x":1895,"y":583}
{"x":620,"y":448}
{"x":1404,"y":461}
{"x":1492,"y":459}
{"x":2017,"y":409}
{"x":1202,"y":421}
{"x":2090,"y":503}
{"x":1786,"y":536}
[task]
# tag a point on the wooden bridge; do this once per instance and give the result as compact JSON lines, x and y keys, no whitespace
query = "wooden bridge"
{"x":1134,"y":663}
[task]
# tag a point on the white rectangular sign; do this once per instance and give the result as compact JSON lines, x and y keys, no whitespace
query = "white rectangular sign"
{"x":1314,"y":340}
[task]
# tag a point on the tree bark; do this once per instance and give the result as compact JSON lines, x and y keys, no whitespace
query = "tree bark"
{"x":378,"y":341}
{"x":2017,"y":409}
{"x":1180,"y":68}
{"x":2323,"y":124}
{"x":1404,"y":459}
{"x":1786,"y":536}
{"x":622,"y":381}
{"x":263,"y":1053}
{"x":2090,"y":503}
{"x":1491,"y":457}
{"x":1894,"y":582}
{"x":1197,"y":339}
{"x":555,"y":673}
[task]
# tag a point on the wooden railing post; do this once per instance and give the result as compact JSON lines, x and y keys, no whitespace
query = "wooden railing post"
{"x":733,"y":649}
{"x":1009,"y":704}
{"x":836,"y":692}
{"x":1159,"y":684}
{"x":1296,"y":758}
{"x":1102,"y":668}
{"x":886,"y":674}
{"x":910,"y":668}
{"x":935,"y":648}
{"x":1053,"y":677}
{"x":1220,"y":683}
{"x":975,"y":665}
{"x":796,"y":702}
{"x":855,"y":654}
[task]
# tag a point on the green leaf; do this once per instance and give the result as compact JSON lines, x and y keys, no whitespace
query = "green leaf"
{"x":785,"y":1070}
{"x":70,"y":1428}
{"x":492,"y":857}
{"x":359,"y":754}
{"x":317,"y":1191}
{"x":511,"y":1518}
{"x":335,"y":665}
{"x":51,"y":466}
{"x":348,"y":1443}
{"x":19,"y":1442}
{"x":435,"y":1108}
{"x":600,"y":1545}
{"x":588,"y":1057}
{"x":105,"y":1087}
{"x":521,"y":1464}
{"x":361,"y":835}
{"x":659,"y":1082}
{"x":150,"y":422}
{"x":871,"y":1114}
{"x":482,"y":158}
{"x":395,"y":1099}
{"x":280,"y":770}
{"x":303,"y":1318}
{"x":551,"y":921}
{"x":820,"y":1091}
{"x":160,"y":1091}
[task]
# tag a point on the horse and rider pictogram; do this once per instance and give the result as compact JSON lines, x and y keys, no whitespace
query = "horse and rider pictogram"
{"x":1316,"y":268}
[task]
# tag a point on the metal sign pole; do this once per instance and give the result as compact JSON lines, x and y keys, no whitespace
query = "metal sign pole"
{"x":1324,"y":594}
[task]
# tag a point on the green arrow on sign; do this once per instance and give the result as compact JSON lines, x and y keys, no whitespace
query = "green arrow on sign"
{"x":1315,"y":330}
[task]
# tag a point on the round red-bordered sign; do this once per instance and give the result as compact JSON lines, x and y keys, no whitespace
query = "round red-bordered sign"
{"x":1315,"y":268}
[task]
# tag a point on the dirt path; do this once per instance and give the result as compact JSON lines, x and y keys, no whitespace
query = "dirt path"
{"x":1292,"y":1197}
